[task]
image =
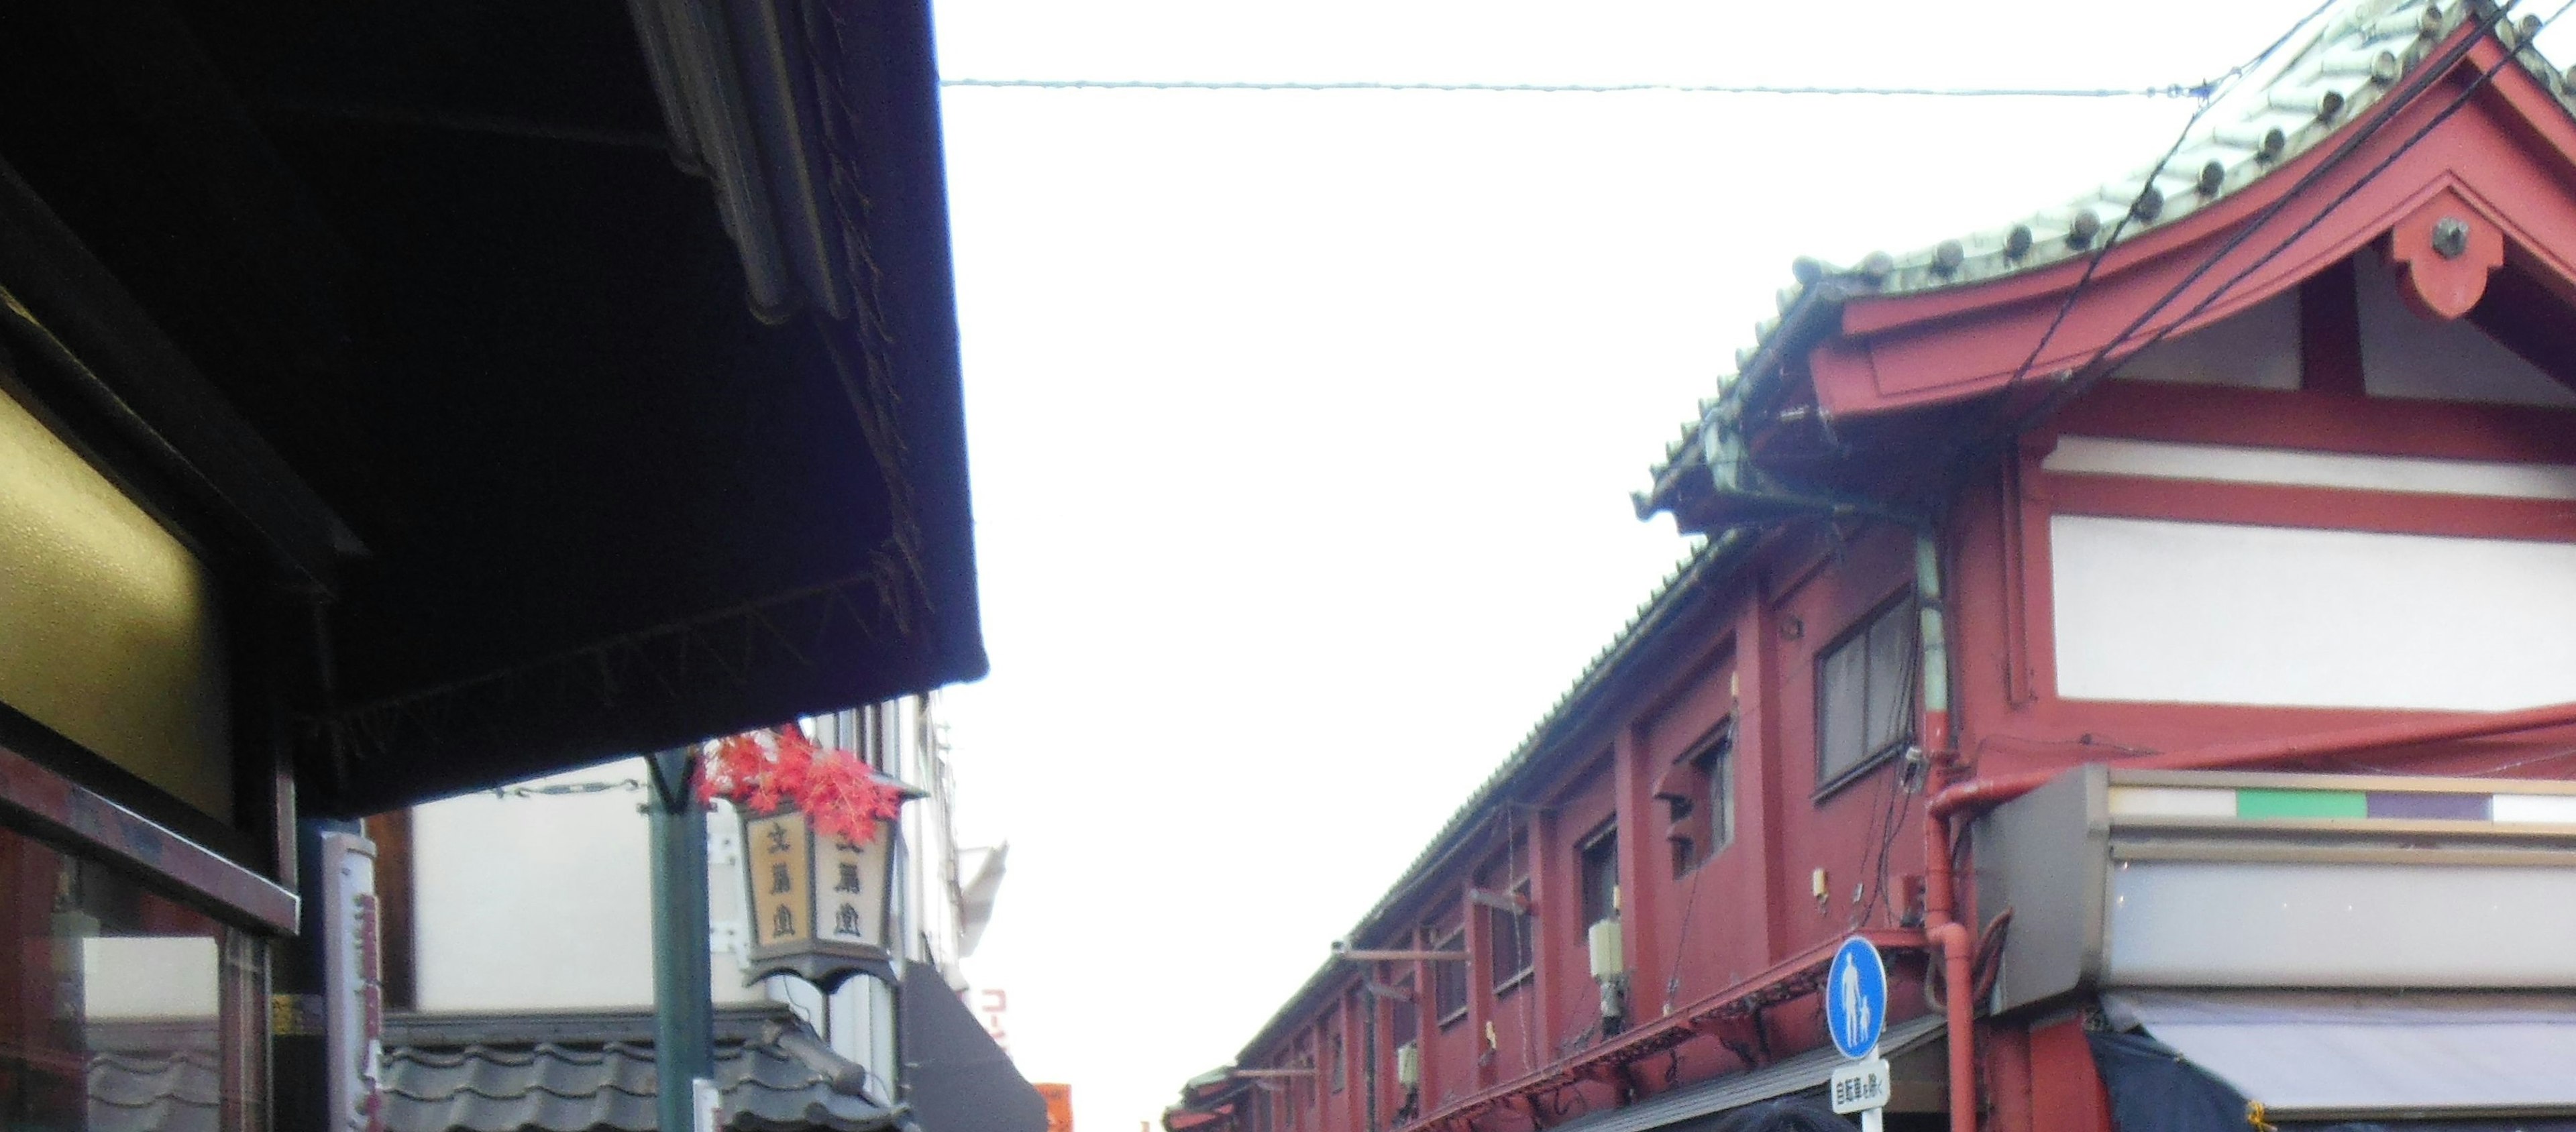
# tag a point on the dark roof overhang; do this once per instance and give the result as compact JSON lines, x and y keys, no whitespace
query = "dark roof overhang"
{"x":591,"y":414}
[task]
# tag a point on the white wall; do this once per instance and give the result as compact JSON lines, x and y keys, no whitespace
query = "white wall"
{"x":2406,"y":355}
{"x":2256,"y":348}
{"x":545,"y":901}
{"x":2152,"y":610}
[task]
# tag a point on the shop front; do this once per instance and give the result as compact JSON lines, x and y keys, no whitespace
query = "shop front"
{"x":2295,"y":949}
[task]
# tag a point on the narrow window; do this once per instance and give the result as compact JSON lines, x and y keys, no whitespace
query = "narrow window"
{"x":1405,"y":1026}
{"x":1449,"y":978}
{"x":1333,"y":1073}
{"x":1599,"y":862}
{"x":1502,"y":892}
{"x":1717,"y":769}
{"x":1864,"y":693}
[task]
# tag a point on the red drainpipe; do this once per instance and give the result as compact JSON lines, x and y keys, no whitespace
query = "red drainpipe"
{"x":1941,"y":927}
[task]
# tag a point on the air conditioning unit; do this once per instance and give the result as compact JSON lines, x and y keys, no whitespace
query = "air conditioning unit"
{"x":1408,"y":1064}
{"x":1609,"y":958}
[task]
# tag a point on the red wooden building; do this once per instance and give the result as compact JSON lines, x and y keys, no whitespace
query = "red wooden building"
{"x":2153,"y":623}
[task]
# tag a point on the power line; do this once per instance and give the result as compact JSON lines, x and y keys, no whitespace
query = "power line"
{"x":2195,"y":91}
{"x":2093,"y":369}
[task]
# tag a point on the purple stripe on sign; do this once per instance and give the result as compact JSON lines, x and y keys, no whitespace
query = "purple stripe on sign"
{"x":2439,"y":807}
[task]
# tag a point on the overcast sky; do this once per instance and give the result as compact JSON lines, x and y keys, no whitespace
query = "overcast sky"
{"x":1303,"y":424}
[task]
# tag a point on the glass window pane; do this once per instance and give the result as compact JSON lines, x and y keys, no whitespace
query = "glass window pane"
{"x":122,"y":1000}
{"x":1842,"y":697}
{"x":1891,"y":677}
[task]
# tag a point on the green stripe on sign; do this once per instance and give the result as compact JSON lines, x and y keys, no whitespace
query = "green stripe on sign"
{"x":2302,"y":804}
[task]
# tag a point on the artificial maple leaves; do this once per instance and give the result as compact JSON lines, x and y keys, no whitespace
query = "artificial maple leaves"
{"x":836,"y":790}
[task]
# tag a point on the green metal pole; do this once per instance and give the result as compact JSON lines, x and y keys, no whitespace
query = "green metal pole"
{"x":683,"y":1003}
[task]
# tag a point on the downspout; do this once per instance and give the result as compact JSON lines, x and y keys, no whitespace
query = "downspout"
{"x":1941,"y":926}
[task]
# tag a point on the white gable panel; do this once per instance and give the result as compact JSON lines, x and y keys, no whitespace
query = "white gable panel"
{"x":2256,"y":348}
{"x":2406,"y":355}
{"x":2171,"y":612}
{"x":2224,"y":463}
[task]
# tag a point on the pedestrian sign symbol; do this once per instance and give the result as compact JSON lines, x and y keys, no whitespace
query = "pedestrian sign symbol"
{"x":1856,"y":998}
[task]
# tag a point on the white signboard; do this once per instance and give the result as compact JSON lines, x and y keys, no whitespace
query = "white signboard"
{"x":1860,"y":1086}
{"x":353,"y":988}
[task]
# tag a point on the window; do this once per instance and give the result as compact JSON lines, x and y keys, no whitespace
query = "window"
{"x":1502,"y":892}
{"x":1864,"y":690}
{"x":1599,"y":861}
{"x":1717,"y":769}
{"x":1406,"y":1024}
{"x":1701,"y":792}
{"x":1333,"y":1072}
{"x":1449,"y":978}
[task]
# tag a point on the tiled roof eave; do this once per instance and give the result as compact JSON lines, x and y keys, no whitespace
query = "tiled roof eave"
{"x":2362,"y":52}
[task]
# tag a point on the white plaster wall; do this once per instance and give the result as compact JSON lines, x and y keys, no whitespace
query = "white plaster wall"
{"x":2221,"y":463}
{"x":2256,"y":348}
{"x":149,"y":976}
{"x":2406,"y":355}
{"x":2151,"y":610}
{"x":545,"y":902}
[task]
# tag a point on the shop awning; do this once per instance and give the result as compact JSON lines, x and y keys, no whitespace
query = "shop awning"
{"x":2319,"y":1055}
{"x":1809,"y":1070}
{"x":955,"y":1078}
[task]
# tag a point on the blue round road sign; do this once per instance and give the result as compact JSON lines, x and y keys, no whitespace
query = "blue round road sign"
{"x":1856,"y":998}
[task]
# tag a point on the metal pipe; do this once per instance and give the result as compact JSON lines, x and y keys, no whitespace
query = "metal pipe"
{"x":1941,"y":927}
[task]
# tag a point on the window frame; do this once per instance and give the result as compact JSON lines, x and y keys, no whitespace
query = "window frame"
{"x":1901,"y":607}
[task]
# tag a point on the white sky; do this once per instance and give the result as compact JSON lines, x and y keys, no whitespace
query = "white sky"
{"x":1304,"y":424}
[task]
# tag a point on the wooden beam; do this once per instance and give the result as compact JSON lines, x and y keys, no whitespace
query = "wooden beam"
{"x":1400,"y":955}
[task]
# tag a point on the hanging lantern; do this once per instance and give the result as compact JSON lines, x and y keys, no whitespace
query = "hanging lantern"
{"x":819,"y":835}
{"x":820,"y":903}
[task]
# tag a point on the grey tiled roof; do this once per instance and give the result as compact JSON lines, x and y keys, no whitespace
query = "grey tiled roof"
{"x":2355,"y":53}
{"x":155,"y":1092}
{"x":776,"y":1076}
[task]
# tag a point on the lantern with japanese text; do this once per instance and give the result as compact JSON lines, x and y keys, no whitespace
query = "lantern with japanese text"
{"x":818,"y":852}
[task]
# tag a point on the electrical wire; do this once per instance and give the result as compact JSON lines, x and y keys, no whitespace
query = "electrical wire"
{"x":2196,"y":90}
{"x":2216,"y":89}
{"x":2092,"y":370}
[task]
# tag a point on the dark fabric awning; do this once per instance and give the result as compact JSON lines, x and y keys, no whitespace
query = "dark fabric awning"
{"x":467,"y":1074}
{"x":955,"y":1078}
{"x":581,"y":440}
{"x":1707,"y":1105}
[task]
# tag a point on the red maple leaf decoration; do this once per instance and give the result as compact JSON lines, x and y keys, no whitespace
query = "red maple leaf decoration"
{"x":836,"y":790}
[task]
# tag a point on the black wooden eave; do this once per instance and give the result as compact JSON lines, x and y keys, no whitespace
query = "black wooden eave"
{"x":417,"y":308}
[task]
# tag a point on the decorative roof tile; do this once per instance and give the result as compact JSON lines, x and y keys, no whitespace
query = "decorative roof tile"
{"x":775,"y":1075}
{"x":2261,"y":121}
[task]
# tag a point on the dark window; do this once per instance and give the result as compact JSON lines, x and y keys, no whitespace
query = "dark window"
{"x":1701,"y":792}
{"x":1406,"y":1023}
{"x":1333,"y":1051}
{"x":1449,"y":979}
{"x":1600,"y":865}
{"x":1864,"y":690}
{"x":1502,"y":892}
{"x":1717,"y":769}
